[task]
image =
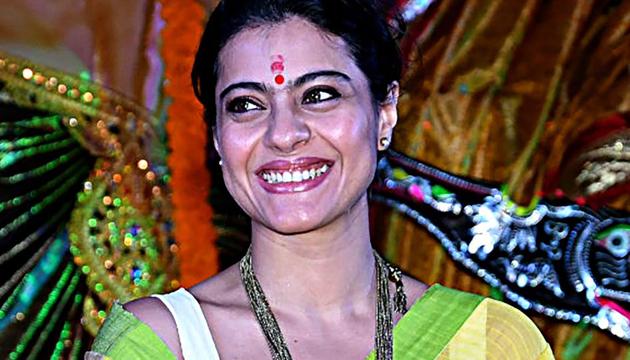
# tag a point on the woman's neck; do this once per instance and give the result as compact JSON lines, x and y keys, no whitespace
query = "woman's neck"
{"x":324,"y":271}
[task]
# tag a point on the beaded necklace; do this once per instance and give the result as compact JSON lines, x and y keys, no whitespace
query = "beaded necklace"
{"x":384,"y":321}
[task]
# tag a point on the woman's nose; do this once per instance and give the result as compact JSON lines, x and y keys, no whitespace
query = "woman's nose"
{"x":287,"y":131}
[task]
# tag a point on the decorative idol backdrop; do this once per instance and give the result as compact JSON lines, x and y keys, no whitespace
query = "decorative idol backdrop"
{"x":509,"y":177}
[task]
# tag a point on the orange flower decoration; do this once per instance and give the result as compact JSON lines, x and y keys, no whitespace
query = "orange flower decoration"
{"x":186,"y":130}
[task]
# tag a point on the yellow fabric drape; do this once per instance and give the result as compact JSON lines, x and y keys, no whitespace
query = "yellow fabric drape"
{"x":497,"y":331}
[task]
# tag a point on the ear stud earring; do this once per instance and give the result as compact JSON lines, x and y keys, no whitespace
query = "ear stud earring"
{"x":384,"y":142}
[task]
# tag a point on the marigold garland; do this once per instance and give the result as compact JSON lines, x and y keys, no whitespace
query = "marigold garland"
{"x":186,"y":130}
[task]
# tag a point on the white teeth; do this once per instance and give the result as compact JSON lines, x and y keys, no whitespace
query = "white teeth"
{"x":295,"y":176}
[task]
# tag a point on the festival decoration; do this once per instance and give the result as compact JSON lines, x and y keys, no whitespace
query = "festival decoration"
{"x":530,"y":94}
{"x":84,"y":211}
{"x":556,"y":258}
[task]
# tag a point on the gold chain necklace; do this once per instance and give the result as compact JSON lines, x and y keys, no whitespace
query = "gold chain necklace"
{"x":384,"y":322}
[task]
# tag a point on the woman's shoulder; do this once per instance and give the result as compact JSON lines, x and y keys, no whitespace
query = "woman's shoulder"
{"x":463,"y":322}
{"x":125,"y":335}
{"x":152,"y":312}
{"x":156,"y":315}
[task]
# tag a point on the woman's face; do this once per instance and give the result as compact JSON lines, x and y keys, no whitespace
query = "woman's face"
{"x":297,"y":128}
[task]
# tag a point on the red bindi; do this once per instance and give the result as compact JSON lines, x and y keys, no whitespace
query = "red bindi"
{"x":277,"y":67}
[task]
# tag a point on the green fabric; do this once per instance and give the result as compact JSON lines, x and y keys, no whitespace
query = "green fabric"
{"x":431,"y":323}
{"x":123,"y":336}
{"x":421,"y":334}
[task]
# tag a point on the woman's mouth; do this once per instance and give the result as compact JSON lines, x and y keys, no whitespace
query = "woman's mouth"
{"x":293,"y":176}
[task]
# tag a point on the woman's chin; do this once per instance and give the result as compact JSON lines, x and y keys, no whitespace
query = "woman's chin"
{"x":299,"y":217}
{"x":293,"y":225}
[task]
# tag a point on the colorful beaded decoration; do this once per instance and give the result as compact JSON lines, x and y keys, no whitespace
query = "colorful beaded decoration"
{"x":84,"y":209}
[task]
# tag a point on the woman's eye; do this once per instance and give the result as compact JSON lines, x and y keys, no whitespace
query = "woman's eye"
{"x":315,"y":96}
{"x":243,"y":105}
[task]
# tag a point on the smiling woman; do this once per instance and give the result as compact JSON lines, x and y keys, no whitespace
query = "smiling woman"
{"x":300,"y":96}
{"x":322,"y":120}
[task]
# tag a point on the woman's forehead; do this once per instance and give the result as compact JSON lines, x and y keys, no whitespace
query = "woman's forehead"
{"x":253,"y":54}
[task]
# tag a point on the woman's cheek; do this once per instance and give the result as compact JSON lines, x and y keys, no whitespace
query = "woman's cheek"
{"x":352,"y":129}
{"x":234,"y":149}
{"x":239,"y":139}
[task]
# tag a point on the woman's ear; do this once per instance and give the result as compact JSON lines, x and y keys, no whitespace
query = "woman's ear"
{"x":388,"y":116}
{"x":215,"y":141}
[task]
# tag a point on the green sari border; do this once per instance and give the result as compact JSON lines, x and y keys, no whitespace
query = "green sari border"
{"x":123,"y":336}
{"x":431,"y":323}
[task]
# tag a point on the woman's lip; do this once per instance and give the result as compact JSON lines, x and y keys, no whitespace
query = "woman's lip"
{"x":293,"y":187}
{"x":300,"y":164}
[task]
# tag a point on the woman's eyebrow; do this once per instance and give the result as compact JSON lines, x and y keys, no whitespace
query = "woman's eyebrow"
{"x":243,"y":85}
{"x":314,"y":75}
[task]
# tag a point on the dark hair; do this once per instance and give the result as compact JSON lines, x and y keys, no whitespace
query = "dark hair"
{"x":362,"y":24}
